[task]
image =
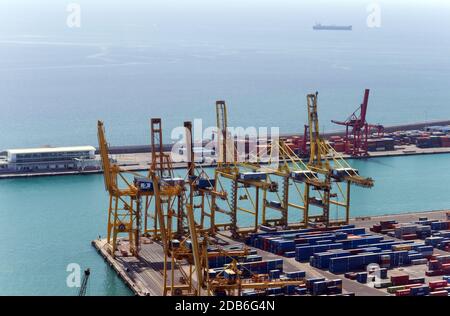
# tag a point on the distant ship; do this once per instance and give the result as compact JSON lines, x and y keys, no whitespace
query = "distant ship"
{"x":319,"y":27}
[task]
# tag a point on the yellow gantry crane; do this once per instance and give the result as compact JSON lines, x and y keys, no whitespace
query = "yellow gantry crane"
{"x":333,"y":168}
{"x":172,"y":188}
{"x":124,"y":210}
{"x":180,"y":246}
{"x":282,"y":176}
{"x":124,"y":217}
{"x":201,"y":185}
{"x":296,"y":180}
{"x":240,"y":179}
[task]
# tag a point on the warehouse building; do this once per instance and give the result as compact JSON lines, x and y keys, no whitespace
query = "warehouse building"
{"x":79,"y":158}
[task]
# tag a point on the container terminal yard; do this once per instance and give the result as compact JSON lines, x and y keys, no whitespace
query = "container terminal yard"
{"x":185,"y":236}
{"x":145,"y":282}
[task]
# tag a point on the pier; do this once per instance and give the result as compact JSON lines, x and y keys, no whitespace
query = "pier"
{"x":138,"y":157}
{"x":141,"y":161}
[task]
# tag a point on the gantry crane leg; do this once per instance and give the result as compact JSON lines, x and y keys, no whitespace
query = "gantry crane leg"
{"x":285,"y":203}
{"x":326,"y":208}
{"x":256,"y":209}
{"x":234,"y":210}
{"x":306,"y":206}
{"x":110,"y":217}
{"x":347,"y":204}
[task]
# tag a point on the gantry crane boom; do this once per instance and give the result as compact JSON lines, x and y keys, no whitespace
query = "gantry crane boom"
{"x":357,"y":129}
{"x":109,"y":171}
{"x":317,"y":152}
{"x":223,"y":134}
{"x":358,"y":118}
{"x":124,"y":202}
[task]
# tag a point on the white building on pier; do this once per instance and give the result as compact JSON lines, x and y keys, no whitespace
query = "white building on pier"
{"x":79,"y":158}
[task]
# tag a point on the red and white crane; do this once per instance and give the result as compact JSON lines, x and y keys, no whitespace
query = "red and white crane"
{"x":357,"y":130}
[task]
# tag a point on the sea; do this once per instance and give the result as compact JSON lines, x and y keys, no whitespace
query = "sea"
{"x":127,"y":63}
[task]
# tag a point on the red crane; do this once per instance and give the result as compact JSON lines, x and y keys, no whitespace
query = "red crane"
{"x":357,"y":130}
{"x":304,"y":147}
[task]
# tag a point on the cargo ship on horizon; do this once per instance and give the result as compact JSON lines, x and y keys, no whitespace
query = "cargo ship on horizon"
{"x":320,"y":27}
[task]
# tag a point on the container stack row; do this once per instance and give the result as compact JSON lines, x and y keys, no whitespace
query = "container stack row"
{"x":432,"y":137}
{"x":438,"y":265}
{"x":402,"y":285}
{"x":434,"y":232}
{"x":342,"y":250}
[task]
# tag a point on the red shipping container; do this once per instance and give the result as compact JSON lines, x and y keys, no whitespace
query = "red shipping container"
{"x":376,"y":228}
{"x":434,"y":273}
{"x":409,"y":237}
{"x":445,"y":260}
{"x":352,"y":276}
{"x":298,"y":143}
{"x":412,"y":285}
{"x":445,"y":141}
{"x":339,"y":147}
{"x":296,"y":139}
{"x":437,"y":284}
{"x":405,"y":292}
{"x":400,"y":279}
{"x":439,"y":293}
{"x":432,"y":262}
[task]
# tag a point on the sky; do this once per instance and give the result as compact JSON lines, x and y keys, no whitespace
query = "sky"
{"x":166,"y":19}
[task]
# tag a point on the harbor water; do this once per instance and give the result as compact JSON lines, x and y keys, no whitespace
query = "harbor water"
{"x":49,"y":222}
{"x":126,"y":65}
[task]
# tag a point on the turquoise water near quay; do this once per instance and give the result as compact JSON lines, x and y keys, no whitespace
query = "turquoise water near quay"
{"x":48,"y":222}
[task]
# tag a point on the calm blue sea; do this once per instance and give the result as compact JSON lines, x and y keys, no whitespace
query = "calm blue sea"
{"x":173,"y":59}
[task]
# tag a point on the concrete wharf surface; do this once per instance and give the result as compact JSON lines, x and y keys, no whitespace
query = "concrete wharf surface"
{"x":142,"y":275}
